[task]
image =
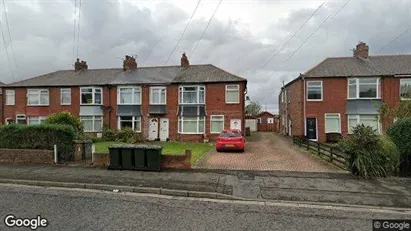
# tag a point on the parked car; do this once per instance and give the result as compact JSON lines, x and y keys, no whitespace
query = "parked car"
{"x":230,"y":140}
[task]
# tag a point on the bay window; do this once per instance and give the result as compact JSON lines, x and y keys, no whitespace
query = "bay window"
{"x":129,"y":95}
{"x":91,"y":95}
{"x":158,"y":95}
{"x":35,"y":120}
{"x":332,"y":123}
{"x":363,"y":88}
{"x":217,"y":123}
{"x":92,"y":123}
{"x":38,"y":97}
{"x":232,"y":94}
{"x":314,"y":91}
{"x":133,"y":122}
{"x":405,"y":89}
{"x":10,"y":97}
{"x":191,"y":125}
{"x":367,"y":120}
{"x":192,"y":95}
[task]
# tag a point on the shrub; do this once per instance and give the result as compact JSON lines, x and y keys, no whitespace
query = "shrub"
{"x":43,"y":136}
{"x":108,"y":134}
{"x":371,"y":155}
{"x":65,"y":118}
{"x":129,"y":136}
{"x":400,"y":132}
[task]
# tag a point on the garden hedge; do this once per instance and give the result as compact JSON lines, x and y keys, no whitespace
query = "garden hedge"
{"x":400,"y":133}
{"x":43,"y":136}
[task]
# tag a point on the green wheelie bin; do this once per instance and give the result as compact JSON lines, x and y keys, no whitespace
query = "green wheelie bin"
{"x":153,"y":156}
{"x":140,"y":157}
{"x":115,"y":157}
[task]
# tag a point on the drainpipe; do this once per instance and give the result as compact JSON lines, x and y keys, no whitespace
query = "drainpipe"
{"x":304,"y":119}
{"x":109,"y":101}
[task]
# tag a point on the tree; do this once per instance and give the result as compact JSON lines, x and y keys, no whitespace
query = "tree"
{"x":399,"y":111}
{"x":254,"y":108}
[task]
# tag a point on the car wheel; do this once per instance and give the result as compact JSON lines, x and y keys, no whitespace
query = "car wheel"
{"x":218,"y":150}
{"x":242,"y":150}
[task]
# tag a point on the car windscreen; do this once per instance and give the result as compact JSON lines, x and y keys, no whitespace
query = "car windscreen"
{"x":230,"y":134}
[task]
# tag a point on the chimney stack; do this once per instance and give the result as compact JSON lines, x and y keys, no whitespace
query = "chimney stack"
{"x":361,"y":51}
{"x":129,"y":63}
{"x":80,"y":66}
{"x":184,"y":61}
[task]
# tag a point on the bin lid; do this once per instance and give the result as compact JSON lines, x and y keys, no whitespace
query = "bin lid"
{"x":142,"y":146}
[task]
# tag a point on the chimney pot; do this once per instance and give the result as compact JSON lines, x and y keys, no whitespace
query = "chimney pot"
{"x":129,"y":63}
{"x":79,"y":66}
{"x":184,"y":61}
{"x":361,"y":50}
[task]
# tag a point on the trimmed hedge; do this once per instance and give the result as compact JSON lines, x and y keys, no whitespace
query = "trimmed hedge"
{"x":400,"y":133}
{"x":43,"y":136}
{"x":66,"y":118}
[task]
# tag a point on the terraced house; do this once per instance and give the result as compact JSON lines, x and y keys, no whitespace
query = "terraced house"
{"x":187,"y":102}
{"x":341,"y":92}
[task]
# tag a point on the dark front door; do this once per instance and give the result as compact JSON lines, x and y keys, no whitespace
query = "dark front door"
{"x":312,"y":128}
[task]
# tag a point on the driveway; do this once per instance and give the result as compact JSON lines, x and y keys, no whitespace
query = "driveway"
{"x":267,"y":151}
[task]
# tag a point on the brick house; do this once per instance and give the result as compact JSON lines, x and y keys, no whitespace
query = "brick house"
{"x":341,"y":92}
{"x":267,"y":122}
{"x":184,"y":102}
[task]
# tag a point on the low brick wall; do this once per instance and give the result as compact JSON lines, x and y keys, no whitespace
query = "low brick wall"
{"x":34,"y":156}
{"x":167,"y":161}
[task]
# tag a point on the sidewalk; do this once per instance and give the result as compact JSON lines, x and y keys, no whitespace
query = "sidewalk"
{"x":290,"y":186}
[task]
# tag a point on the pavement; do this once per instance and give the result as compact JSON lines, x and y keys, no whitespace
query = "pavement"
{"x":267,"y":151}
{"x":73,"y":209}
{"x":329,"y":188}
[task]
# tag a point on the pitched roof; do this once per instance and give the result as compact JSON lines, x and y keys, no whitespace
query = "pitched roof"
{"x":351,"y":66}
{"x":143,"y":75}
{"x":1,"y":83}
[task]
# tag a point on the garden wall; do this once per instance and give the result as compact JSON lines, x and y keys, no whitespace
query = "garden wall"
{"x":33,"y":156}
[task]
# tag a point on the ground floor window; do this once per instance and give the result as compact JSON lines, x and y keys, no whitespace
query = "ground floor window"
{"x":92,"y":123}
{"x":217,"y":123}
{"x":35,"y":120}
{"x":368,"y":120}
{"x":191,"y":125}
{"x":21,"y":119}
{"x":332,"y":123}
{"x":133,"y":122}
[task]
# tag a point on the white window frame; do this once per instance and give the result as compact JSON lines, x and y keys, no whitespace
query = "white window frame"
{"x":21,"y":117}
{"x":401,"y":81}
{"x":181,"y":91}
{"x":39,"y":93}
{"x":133,"y":120}
{"x":216,"y":120}
{"x":66,"y":90}
{"x":7,"y":120}
{"x":10,"y":93}
{"x":181,"y":120}
{"x":358,"y":117}
{"x":322,"y":90}
{"x":339,"y":120}
{"x":158,"y":89}
{"x":232,"y":90}
{"x":357,"y":84}
{"x":93,"y":92}
{"x":133,"y":100}
{"x":40,"y":118}
{"x":93,"y":119}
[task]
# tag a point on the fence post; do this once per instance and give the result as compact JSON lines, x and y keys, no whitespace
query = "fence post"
{"x":308,"y":144}
{"x":300,"y":140}
{"x":93,"y":150}
{"x":318,"y":148}
{"x":331,"y":154}
{"x":55,"y":154}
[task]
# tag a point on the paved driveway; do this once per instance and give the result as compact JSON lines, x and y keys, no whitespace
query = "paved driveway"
{"x":267,"y":152}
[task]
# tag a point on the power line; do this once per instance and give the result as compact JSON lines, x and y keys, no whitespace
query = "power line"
{"x":285,"y":44}
{"x":74,"y":27}
{"x":205,"y":29}
{"x":78,"y":27}
{"x":11,"y":40}
{"x":184,"y":31}
{"x":305,"y":41}
{"x":393,"y":40}
{"x":7,"y":52}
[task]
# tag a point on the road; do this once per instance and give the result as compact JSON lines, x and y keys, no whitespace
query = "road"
{"x":74,"y":209}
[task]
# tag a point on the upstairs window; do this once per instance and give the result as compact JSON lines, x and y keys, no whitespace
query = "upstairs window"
{"x":232,"y":94}
{"x":129,"y":95}
{"x":314,"y":90}
{"x":364,"y":88}
{"x":38,"y":97}
{"x":10,"y":97}
{"x":65,"y":96}
{"x":192,"y":95}
{"x":405,"y":89}
{"x":91,"y":95}
{"x":158,"y":95}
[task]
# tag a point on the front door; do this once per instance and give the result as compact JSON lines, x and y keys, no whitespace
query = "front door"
{"x":312,"y":128}
{"x":153,"y":129}
{"x":235,"y":124}
{"x":163,"y":129}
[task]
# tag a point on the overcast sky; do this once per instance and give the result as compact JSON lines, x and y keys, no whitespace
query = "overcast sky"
{"x":240,"y":39}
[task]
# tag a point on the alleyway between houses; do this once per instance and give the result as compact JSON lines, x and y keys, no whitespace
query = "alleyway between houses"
{"x":267,"y":151}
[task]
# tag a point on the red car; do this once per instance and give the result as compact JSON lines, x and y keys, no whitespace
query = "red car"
{"x":230,"y":140}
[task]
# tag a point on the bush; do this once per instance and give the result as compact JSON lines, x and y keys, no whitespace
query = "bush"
{"x":43,"y":136}
{"x":371,"y":155}
{"x":108,"y":134}
{"x":127,"y":135}
{"x":400,"y":132}
{"x":65,"y":118}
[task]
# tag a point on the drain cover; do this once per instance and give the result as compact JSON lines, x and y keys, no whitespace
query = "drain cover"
{"x":246,"y":176}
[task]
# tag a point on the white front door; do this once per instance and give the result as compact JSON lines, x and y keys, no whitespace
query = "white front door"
{"x":235,"y":124}
{"x":153,"y":129}
{"x":163,"y":129}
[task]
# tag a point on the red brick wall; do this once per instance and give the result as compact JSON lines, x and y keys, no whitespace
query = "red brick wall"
{"x":390,"y":95}
{"x":1,"y":107}
{"x":293,"y":110}
{"x":26,"y":156}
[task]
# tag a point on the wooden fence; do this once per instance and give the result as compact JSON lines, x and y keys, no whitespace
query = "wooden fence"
{"x":332,"y":154}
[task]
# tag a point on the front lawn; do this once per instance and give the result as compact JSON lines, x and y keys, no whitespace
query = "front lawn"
{"x":197,"y":149}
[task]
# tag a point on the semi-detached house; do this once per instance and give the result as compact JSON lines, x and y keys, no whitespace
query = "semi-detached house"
{"x":342,"y":92}
{"x":187,"y":102}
